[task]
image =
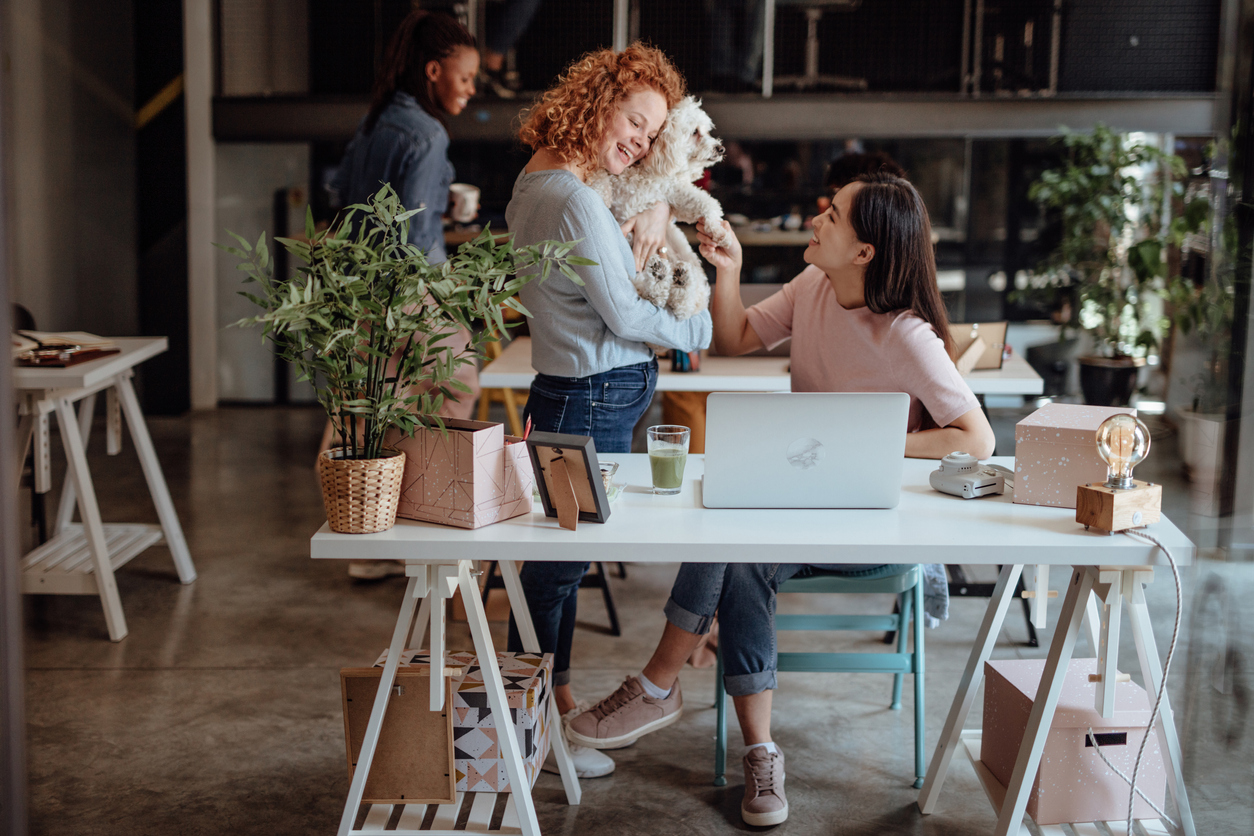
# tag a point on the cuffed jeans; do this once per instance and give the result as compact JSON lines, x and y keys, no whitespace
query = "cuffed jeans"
{"x":605,"y":406}
{"x":743,"y":595}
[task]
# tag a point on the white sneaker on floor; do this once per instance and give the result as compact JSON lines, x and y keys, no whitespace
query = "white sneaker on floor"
{"x":589,"y":763}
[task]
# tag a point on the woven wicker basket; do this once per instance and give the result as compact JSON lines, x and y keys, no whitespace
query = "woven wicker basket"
{"x":361,"y":495}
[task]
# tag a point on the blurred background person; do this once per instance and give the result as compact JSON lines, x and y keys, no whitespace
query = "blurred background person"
{"x":428,"y":75}
{"x":515,"y":17}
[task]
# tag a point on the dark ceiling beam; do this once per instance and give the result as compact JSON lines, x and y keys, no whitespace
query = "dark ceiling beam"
{"x":307,"y":119}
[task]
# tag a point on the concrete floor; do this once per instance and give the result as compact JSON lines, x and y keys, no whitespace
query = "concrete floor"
{"x":220,"y":712}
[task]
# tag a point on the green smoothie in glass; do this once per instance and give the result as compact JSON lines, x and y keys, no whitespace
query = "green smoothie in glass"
{"x":668,"y":453}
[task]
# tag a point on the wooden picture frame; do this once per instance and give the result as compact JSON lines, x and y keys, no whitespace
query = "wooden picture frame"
{"x":988,"y":354}
{"x":568,"y":477}
{"x":413,"y":763}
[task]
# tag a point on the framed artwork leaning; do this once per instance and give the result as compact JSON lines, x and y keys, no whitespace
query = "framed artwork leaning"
{"x":568,"y":478}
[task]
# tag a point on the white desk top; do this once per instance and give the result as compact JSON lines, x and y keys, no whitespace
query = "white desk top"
{"x":135,"y":350}
{"x":927,"y":527}
{"x":512,"y":370}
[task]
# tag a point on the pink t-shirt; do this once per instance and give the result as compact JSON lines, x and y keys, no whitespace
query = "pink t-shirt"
{"x":839,"y":350}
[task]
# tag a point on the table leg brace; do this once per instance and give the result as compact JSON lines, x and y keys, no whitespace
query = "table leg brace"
{"x":1152,"y":674}
{"x":80,"y":476}
{"x":156,"y":481}
{"x":1010,"y":818}
{"x":495,"y":686}
{"x":357,"y":788}
{"x":1003,"y":593}
{"x":531,"y":644}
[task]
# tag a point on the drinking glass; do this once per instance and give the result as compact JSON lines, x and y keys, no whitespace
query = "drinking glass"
{"x":668,"y":453}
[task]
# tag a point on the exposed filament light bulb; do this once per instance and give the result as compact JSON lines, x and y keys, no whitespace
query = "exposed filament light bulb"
{"x":1123,"y":441}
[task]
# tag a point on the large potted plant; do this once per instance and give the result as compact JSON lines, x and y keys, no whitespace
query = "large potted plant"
{"x":366,"y":319}
{"x":1203,"y":311}
{"x":1113,"y":195}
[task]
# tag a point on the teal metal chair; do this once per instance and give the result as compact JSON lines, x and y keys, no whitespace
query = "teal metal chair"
{"x":908,"y":587}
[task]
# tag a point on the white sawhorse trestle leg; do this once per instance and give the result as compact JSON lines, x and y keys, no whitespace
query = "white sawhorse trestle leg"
{"x":432,"y":584}
{"x":1110,"y":586}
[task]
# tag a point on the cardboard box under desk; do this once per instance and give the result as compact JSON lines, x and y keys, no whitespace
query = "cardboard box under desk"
{"x":1072,"y":783}
{"x":528,"y":688}
{"x":1056,"y":452}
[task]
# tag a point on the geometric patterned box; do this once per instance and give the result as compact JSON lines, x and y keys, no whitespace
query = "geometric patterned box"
{"x":1056,"y":452}
{"x":476,"y":756}
{"x":472,"y":475}
{"x":1072,"y":783}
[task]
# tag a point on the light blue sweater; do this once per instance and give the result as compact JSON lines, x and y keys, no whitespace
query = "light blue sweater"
{"x":580,"y":331}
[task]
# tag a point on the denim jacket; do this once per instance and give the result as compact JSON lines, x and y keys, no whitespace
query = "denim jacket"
{"x":409,"y":149}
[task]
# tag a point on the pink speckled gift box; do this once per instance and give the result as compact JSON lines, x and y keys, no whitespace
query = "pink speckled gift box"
{"x":474,"y":475}
{"x":1056,"y":452}
{"x":1072,"y":784}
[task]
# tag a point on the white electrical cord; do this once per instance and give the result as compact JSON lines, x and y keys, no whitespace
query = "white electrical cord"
{"x":1162,"y":690}
{"x":1126,"y":779}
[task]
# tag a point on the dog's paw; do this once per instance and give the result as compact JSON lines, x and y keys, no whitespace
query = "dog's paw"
{"x":654,"y":282}
{"x":714,"y":228}
{"x":690,"y":291}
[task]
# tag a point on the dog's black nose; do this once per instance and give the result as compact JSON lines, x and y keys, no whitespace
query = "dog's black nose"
{"x":718,"y":149}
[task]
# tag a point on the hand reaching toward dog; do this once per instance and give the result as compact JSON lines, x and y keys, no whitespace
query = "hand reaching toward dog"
{"x":724,"y":251}
{"x":648,"y":232}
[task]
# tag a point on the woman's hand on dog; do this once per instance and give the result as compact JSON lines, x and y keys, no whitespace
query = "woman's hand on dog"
{"x":727,"y":256}
{"x":648,"y":232}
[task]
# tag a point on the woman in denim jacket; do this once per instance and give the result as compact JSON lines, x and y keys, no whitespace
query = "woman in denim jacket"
{"x":427,"y":76}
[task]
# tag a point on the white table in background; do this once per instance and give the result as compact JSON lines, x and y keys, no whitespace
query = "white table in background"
{"x":80,"y":558}
{"x":512,"y":370}
{"x":927,"y":527}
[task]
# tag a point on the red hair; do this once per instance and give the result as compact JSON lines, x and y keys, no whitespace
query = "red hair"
{"x":572,"y":116}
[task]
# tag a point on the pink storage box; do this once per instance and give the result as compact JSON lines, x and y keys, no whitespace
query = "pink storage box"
{"x":476,"y":751}
{"x":1072,"y":784}
{"x":473,"y":475}
{"x":1056,"y":452}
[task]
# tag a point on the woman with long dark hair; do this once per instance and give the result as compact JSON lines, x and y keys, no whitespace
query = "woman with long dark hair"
{"x":865,"y":316}
{"x":428,"y":75}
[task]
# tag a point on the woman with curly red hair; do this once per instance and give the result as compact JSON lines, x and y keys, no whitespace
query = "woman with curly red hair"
{"x":590,"y":341}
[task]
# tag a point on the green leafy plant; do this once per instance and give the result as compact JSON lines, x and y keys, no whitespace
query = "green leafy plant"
{"x":367,"y":318}
{"x":1114,"y":196}
{"x":1206,"y":310}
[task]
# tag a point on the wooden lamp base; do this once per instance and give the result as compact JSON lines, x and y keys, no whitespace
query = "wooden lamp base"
{"x":1118,"y":509}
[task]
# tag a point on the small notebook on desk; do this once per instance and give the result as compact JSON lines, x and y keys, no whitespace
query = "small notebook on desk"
{"x":59,"y":349}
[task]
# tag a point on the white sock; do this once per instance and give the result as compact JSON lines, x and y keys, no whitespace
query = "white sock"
{"x":770,"y":747}
{"x":652,"y":690}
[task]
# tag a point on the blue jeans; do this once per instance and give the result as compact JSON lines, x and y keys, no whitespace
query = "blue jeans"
{"x":605,"y":406}
{"x":744,"y":596}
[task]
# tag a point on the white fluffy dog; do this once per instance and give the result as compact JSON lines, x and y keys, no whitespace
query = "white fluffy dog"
{"x":683,"y":149}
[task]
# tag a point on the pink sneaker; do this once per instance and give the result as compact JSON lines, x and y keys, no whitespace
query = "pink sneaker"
{"x":625,"y":715}
{"x":764,"y":803}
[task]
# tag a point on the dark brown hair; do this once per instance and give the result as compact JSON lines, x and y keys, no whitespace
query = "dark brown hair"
{"x":571,"y":118}
{"x":888,"y":214}
{"x":422,"y":37}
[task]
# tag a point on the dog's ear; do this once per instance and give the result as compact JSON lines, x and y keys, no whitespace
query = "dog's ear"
{"x":669,"y":155}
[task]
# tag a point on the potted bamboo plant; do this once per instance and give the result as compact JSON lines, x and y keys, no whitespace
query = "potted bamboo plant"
{"x":365,"y":319}
{"x":1114,"y":196}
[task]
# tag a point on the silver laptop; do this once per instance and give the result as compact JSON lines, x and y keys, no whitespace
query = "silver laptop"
{"x":804,"y":449}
